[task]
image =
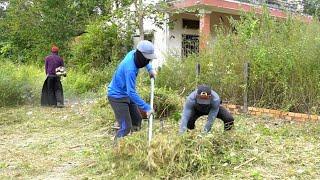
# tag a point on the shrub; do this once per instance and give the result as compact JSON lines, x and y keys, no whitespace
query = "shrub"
{"x":167,"y":102}
{"x":19,"y":84}
{"x":93,"y":80}
{"x":102,"y":43}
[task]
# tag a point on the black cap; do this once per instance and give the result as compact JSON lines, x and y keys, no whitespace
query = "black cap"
{"x":204,"y":94}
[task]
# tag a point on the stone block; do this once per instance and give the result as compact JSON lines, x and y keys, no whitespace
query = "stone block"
{"x":266,"y":110}
{"x":314,"y":117}
{"x":288,"y":118}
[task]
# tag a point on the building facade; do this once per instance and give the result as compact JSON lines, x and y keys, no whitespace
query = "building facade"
{"x":192,"y":30}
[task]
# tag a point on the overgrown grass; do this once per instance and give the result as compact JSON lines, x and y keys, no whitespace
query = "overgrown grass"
{"x":257,"y":149}
{"x":283,"y":57}
{"x":77,"y":143}
{"x":21,"y":84}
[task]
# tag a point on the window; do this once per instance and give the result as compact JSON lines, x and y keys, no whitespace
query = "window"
{"x":190,"y":44}
{"x":190,"y":24}
{"x":149,"y":37}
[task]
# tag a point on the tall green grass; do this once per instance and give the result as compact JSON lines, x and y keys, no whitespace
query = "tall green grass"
{"x":284,"y":64}
{"x":19,"y":83}
{"x":22,"y":83}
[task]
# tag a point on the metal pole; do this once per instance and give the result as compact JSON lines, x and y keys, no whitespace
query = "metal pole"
{"x":245,"y":92}
{"x":197,"y":73}
{"x":151,"y":116}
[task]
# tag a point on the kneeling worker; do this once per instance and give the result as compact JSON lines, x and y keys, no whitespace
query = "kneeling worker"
{"x":204,"y":101}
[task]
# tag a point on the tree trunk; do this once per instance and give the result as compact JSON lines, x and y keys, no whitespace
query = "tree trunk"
{"x":140,"y":16}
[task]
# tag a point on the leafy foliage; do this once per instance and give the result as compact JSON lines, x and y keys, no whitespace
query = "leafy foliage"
{"x":31,"y":27}
{"x":19,"y":84}
{"x":167,"y":102}
{"x":312,"y":7}
{"x":103,"y":43}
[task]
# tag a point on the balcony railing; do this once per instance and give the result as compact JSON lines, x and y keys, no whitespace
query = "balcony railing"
{"x":285,"y":5}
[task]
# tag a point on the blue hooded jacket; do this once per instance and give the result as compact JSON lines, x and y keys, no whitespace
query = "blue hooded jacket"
{"x":123,"y":83}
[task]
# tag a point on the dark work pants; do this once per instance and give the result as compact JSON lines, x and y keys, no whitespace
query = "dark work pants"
{"x":223,"y":114}
{"x":127,"y":115}
{"x":52,"y":92}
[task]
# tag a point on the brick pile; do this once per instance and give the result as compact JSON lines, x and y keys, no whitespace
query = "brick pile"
{"x":237,"y":109}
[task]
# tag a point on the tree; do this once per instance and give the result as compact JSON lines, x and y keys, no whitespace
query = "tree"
{"x":153,"y":11}
{"x":312,"y":7}
{"x":107,"y":38}
{"x":3,"y":6}
{"x":30,"y":27}
{"x":140,"y":15}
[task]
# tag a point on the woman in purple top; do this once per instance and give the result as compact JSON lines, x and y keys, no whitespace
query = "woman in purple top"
{"x":52,"y":92}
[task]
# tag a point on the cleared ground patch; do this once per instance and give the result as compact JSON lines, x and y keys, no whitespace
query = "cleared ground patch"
{"x":77,"y":142}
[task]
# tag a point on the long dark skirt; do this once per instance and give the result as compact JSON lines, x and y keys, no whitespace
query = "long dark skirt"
{"x":52,"y":92}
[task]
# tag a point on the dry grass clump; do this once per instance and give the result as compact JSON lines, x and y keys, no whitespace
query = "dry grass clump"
{"x":256,"y":148}
{"x":172,"y":155}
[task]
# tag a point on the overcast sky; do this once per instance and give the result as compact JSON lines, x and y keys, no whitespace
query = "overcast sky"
{"x":3,"y":5}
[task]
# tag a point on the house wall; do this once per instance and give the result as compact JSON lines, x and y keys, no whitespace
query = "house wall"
{"x":175,"y":34}
{"x":161,"y":44}
{"x":159,"y":40}
{"x":168,"y":41}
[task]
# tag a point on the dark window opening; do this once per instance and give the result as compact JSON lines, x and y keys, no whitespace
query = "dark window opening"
{"x":190,"y":24}
{"x":149,"y":37}
{"x":190,"y":44}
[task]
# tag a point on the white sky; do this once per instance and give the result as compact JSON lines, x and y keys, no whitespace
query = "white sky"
{"x":150,"y":1}
{"x":4,"y":4}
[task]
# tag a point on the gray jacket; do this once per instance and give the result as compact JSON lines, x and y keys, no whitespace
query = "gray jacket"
{"x":189,"y":110}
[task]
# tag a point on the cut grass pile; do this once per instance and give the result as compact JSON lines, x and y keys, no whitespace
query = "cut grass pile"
{"x":77,"y":142}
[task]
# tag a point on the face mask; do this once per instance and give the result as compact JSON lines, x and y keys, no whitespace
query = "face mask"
{"x":139,"y":60}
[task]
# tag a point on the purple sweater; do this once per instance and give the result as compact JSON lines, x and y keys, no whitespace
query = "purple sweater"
{"x":52,"y":62}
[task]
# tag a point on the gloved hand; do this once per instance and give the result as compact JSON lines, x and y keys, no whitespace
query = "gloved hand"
{"x":149,"y":113}
{"x":153,"y":74}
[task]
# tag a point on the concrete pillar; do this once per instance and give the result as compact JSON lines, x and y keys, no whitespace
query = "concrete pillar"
{"x":205,"y":28}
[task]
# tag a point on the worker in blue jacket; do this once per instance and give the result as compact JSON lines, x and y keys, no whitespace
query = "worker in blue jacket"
{"x":122,"y":93}
{"x":204,"y":101}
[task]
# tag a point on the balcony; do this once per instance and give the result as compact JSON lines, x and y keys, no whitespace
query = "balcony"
{"x":285,"y":5}
{"x":296,"y":6}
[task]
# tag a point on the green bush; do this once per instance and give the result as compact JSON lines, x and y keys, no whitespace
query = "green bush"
{"x":19,"y":84}
{"x":179,"y":75}
{"x":167,"y":102}
{"x":93,"y":80}
{"x":102,"y":44}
